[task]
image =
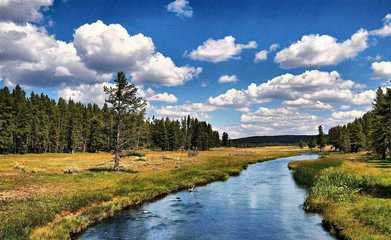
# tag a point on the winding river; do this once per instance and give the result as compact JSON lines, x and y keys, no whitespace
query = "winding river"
{"x":263,"y":202}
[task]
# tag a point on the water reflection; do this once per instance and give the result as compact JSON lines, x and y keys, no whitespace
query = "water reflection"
{"x":262,"y":203}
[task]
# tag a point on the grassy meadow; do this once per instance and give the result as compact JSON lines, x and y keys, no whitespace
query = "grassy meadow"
{"x":55,"y":196}
{"x":351,"y":191}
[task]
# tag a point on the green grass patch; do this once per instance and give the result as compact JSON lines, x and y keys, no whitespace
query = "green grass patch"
{"x":352,"y":195}
{"x":305,"y":172}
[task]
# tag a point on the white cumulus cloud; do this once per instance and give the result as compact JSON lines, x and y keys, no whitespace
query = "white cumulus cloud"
{"x":319,"y":89}
{"x":347,"y":116}
{"x":275,"y":121}
{"x":162,"y":70}
{"x":228,"y":79}
{"x":231,"y":98}
{"x":307,"y":104}
{"x":260,"y":56}
{"x":85,"y":93}
{"x":110,"y":48}
{"x":382,"y":69}
{"x":30,"y":56}
{"x":181,"y":8}
{"x":165,"y":97}
{"x":321,"y":50}
{"x":22,"y":11}
{"x":199,"y":110}
{"x":94,"y":93}
{"x":385,"y":31}
{"x":220,"y":50}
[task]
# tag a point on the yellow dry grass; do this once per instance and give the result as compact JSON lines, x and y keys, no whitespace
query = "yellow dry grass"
{"x":35,"y":190}
{"x":22,"y":176}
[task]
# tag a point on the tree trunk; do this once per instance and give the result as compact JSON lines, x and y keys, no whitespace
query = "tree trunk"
{"x":117,"y":159}
{"x":117,"y":148}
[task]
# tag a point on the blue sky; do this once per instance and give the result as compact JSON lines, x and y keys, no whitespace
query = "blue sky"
{"x":321,"y":60}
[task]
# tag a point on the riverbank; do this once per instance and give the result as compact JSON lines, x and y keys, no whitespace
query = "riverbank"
{"x":40,"y":200}
{"x":228,"y":210}
{"x":351,"y":191}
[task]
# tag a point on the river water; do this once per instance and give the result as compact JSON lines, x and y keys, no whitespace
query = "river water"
{"x":263,"y":202}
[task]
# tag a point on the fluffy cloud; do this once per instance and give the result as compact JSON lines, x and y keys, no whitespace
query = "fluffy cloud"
{"x":85,"y":93}
{"x":163,"y":71}
{"x":31,"y":57}
{"x":181,"y":8}
{"x":109,"y":48}
{"x":228,"y":79}
{"x":273,"y":47}
{"x":22,"y":11}
{"x":260,"y":56}
{"x":364,"y":98}
{"x":321,"y":89}
{"x":346,"y":116}
{"x":385,"y":31}
{"x":199,"y":110}
{"x":307,"y":104}
{"x":382,"y":69}
{"x":286,"y":120}
{"x":231,"y":98}
{"x":274,"y":121}
{"x":219,"y":50}
{"x":94,"y":93}
{"x":321,"y":50}
{"x":153,"y":96}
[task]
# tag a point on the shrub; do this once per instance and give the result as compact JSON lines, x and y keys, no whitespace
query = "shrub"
{"x":111,"y":169}
{"x":133,"y":154}
{"x":71,"y":170}
{"x":337,"y":185}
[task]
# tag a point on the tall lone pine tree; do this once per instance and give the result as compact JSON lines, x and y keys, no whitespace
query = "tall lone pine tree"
{"x":125,"y":103}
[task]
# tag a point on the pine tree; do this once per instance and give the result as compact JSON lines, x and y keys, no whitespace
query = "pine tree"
{"x":321,"y":139}
{"x":94,"y":138}
{"x":311,"y":144}
{"x":21,"y":119}
{"x":6,"y":123}
{"x":124,"y":101}
{"x":334,"y":135}
{"x":379,"y":129}
{"x":357,"y":137}
{"x":225,"y":140}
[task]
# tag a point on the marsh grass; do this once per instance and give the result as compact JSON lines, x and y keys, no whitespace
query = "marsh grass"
{"x":352,"y":195}
{"x":305,"y":172}
{"x":54,"y":205}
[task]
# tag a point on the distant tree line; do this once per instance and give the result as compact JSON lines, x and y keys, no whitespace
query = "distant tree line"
{"x":257,"y":141}
{"x":187,"y":133}
{"x":370,"y":132}
{"x":38,"y":124}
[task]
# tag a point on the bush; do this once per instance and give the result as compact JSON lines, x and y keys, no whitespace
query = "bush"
{"x":111,"y":169}
{"x":337,"y":185}
{"x":305,"y":176}
{"x":133,"y":154}
{"x":71,"y":170}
